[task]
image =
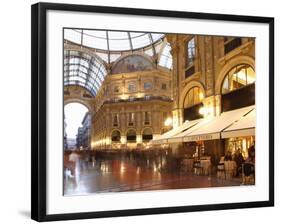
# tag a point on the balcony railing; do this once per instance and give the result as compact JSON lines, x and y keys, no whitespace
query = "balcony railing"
{"x":162,"y":98}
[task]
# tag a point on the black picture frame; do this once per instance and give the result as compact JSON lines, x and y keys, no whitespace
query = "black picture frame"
{"x":39,"y":108}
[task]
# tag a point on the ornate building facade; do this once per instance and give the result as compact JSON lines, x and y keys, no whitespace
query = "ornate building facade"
{"x":132,"y":109}
{"x":137,"y":94}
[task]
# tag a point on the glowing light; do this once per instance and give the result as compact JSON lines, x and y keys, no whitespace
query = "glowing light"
{"x":202,"y":111}
{"x":168,"y":121}
{"x":124,"y":97}
{"x":201,"y":96}
{"x":205,"y":111}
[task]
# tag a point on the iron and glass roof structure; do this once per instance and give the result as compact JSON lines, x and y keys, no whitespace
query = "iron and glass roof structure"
{"x":109,"y":45}
{"x":89,"y":71}
{"x":166,"y":57}
{"x":83,"y":70}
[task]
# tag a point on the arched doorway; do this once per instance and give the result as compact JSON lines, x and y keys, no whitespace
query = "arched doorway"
{"x":131,"y":136}
{"x":147,"y":135}
{"x":77,"y":126}
{"x":115,"y":136}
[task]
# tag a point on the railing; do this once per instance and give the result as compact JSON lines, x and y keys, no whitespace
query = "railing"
{"x":163,"y":98}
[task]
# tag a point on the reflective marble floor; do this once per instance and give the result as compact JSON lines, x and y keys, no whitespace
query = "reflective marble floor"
{"x":123,"y":172}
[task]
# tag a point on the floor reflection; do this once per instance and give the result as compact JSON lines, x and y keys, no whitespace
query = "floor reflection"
{"x":87,"y":173}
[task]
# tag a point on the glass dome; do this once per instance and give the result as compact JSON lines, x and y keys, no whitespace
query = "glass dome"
{"x":109,"y":45}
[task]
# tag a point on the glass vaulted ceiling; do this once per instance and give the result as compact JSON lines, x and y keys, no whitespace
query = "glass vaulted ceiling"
{"x":89,"y":71}
{"x":109,"y":45}
{"x":83,"y":70}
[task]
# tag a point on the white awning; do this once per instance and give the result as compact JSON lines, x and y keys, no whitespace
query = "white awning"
{"x":243,"y":127}
{"x":166,"y":136}
{"x":179,"y":137}
{"x":213,"y":127}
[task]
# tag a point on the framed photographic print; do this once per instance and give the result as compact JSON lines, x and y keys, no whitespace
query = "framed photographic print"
{"x":139,"y":111}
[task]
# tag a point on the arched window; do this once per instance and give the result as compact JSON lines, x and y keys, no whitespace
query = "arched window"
{"x":238,"y":77}
{"x":194,"y":96}
{"x":147,"y":134}
{"x":131,"y":135}
{"x":115,"y":136}
{"x":190,"y":52}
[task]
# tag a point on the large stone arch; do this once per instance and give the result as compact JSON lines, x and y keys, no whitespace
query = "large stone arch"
{"x":229,"y":65}
{"x":77,"y":100}
{"x":187,"y":88}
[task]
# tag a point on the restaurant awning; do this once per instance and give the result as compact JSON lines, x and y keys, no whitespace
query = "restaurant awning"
{"x":212,"y":128}
{"x":166,"y":136}
{"x":243,"y":127}
{"x":179,"y":137}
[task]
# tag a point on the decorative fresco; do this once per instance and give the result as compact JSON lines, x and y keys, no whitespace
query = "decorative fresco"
{"x":131,"y":64}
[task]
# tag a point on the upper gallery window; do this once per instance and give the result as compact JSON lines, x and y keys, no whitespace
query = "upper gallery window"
{"x":194,"y":96}
{"x":131,"y":118}
{"x":131,"y":87}
{"x":146,"y":117}
{"x":238,"y":77}
{"x":115,"y":120}
{"x":190,"y":52}
{"x":230,"y":43}
{"x":116,"y":89}
{"x":147,"y":85}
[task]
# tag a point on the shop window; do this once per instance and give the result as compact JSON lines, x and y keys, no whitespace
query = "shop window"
{"x":147,"y":134}
{"x":241,"y":144}
{"x":131,"y":135}
{"x":115,"y":136}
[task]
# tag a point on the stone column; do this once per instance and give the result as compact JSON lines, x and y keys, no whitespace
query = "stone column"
{"x":175,"y":52}
{"x":209,"y":66}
